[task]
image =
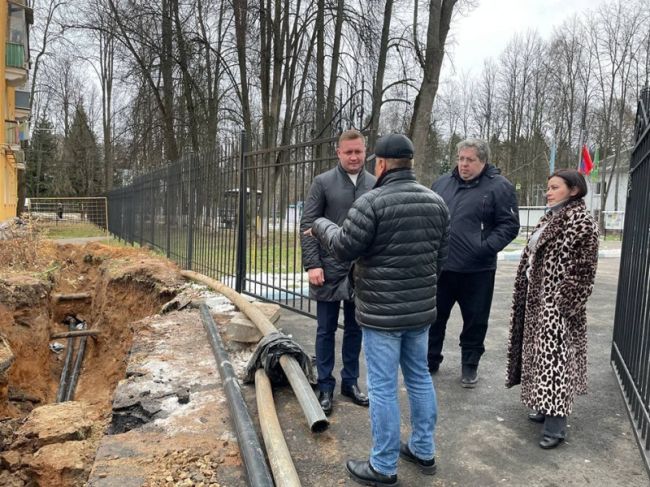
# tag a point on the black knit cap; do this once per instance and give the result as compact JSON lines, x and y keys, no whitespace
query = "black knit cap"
{"x":394,"y":146}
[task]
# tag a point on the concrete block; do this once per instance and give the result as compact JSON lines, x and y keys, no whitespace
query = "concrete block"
{"x":270,"y":310}
{"x":241,"y":329}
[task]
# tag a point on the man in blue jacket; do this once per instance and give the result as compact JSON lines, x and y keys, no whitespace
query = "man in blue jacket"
{"x":397,"y":236}
{"x":484,"y":219}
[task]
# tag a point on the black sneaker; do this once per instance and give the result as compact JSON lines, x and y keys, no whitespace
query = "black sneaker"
{"x":427,"y":467}
{"x":469,"y":376}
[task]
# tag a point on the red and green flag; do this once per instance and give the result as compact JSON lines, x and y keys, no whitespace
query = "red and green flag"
{"x":594,"y":172}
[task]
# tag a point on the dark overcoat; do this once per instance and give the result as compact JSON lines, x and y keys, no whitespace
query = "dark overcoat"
{"x":547,"y":350}
{"x":331,"y":196}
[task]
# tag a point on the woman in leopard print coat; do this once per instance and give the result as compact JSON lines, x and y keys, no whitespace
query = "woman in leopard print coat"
{"x":547,"y":351}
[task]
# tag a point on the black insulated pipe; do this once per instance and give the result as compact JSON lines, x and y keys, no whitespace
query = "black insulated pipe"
{"x":250,"y":447}
{"x":72,"y":385}
{"x":63,"y":381}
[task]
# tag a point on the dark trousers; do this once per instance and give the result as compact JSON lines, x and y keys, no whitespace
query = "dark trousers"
{"x":473,"y":292}
{"x":327,"y":315}
{"x":555,"y":426}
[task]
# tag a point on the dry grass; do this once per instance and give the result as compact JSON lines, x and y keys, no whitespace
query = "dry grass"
{"x":22,"y":247}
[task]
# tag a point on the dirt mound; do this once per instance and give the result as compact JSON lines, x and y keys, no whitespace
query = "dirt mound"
{"x":107,"y":288}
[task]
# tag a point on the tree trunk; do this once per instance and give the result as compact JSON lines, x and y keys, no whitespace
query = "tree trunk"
{"x":377,"y":90}
{"x":183,"y":63}
{"x":240,"y":9}
{"x":106,"y":56}
{"x":167,"y":72}
{"x":336,"y":56}
{"x":439,"y":20}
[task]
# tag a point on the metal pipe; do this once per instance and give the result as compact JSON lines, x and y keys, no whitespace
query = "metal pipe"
{"x":63,"y":381}
{"x":249,"y":444}
{"x":254,"y":314}
{"x":74,"y":377}
{"x":304,"y":393}
{"x":74,"y":333}
{"x":70,"y":297}
{"x":284,"y":471}
{"x":302,"y":389}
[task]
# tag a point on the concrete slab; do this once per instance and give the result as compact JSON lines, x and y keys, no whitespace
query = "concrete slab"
{"x":483,"y":436}
{"x":170,"y":422}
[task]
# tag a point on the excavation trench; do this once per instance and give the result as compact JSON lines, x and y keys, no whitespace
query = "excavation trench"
{"x":109,"y":289}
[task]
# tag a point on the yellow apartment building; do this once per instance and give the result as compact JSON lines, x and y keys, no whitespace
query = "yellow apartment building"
{"x":15,"y":18}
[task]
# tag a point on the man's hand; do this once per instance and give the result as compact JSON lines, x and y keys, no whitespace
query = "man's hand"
{"x":308,"y":233}
{"x":316,"y":276}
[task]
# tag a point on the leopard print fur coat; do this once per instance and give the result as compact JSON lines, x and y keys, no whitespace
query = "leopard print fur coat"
{"x":547,"y":349}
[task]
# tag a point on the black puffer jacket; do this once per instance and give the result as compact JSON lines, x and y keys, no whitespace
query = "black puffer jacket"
{"x":331,"y":196}
{"x":397,"y":233}
{"x":484,"y":218}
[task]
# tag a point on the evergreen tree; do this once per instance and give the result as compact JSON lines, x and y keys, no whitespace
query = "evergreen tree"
{"x":40,"y":158}
{"x":81,"y":173}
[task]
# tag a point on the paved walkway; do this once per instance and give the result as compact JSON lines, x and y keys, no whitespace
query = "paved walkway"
{"x":483,"y":436}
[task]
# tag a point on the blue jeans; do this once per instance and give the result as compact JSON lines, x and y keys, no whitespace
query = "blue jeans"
{"x":386,"y":351}
{"x":327,"y":317}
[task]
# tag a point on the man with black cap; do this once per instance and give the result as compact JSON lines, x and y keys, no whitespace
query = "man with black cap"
{"x":397,"y":236}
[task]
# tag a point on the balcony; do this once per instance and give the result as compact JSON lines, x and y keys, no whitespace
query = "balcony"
{"x":16,"y":134}
{"x":22,"y":103}
{"x":16,"y":67}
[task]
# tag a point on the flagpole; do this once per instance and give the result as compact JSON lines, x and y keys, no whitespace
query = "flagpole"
{"x":580,"y":147}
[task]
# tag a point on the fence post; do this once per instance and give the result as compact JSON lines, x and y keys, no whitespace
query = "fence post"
{"x":190,"y":209}
{"x":141,"y":197}
{"x":167,"y":220}
{"x":240,"y":263}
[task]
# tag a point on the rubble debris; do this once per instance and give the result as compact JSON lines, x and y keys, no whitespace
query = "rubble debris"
{"x":56,"y":347}
{"x":7,"y":356}
{"x":178,"y":303}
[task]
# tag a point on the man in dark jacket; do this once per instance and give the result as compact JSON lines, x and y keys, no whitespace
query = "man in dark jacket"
{"x":484,"y":219}
{"x":331,"y":195}
{"x":397,"y":236}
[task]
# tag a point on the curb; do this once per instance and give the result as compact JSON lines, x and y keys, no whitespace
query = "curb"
{"x":514,"y":255}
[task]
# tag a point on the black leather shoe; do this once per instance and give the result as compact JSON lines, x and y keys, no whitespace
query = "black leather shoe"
{"x":433,"y":368}
{"x":548,"y":442}
{"x":354,"y":393}
{"x":536,"y":417}
{"x":325,"y":399}
{"x":362,"y":472}
{"x":427,"y":467}
{"x":469,"y":376}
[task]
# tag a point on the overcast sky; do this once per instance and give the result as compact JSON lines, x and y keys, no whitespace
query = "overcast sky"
{"x":486,"y":30}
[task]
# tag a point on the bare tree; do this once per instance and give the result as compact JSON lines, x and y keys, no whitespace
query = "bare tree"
{"x":430,"y":60}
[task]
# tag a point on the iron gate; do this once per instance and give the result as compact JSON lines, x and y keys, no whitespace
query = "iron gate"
{"x":631,"y":343}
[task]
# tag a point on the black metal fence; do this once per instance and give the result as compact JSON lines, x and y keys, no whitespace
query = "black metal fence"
{"x":631,"y":343}
{"x":191,"y":212}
